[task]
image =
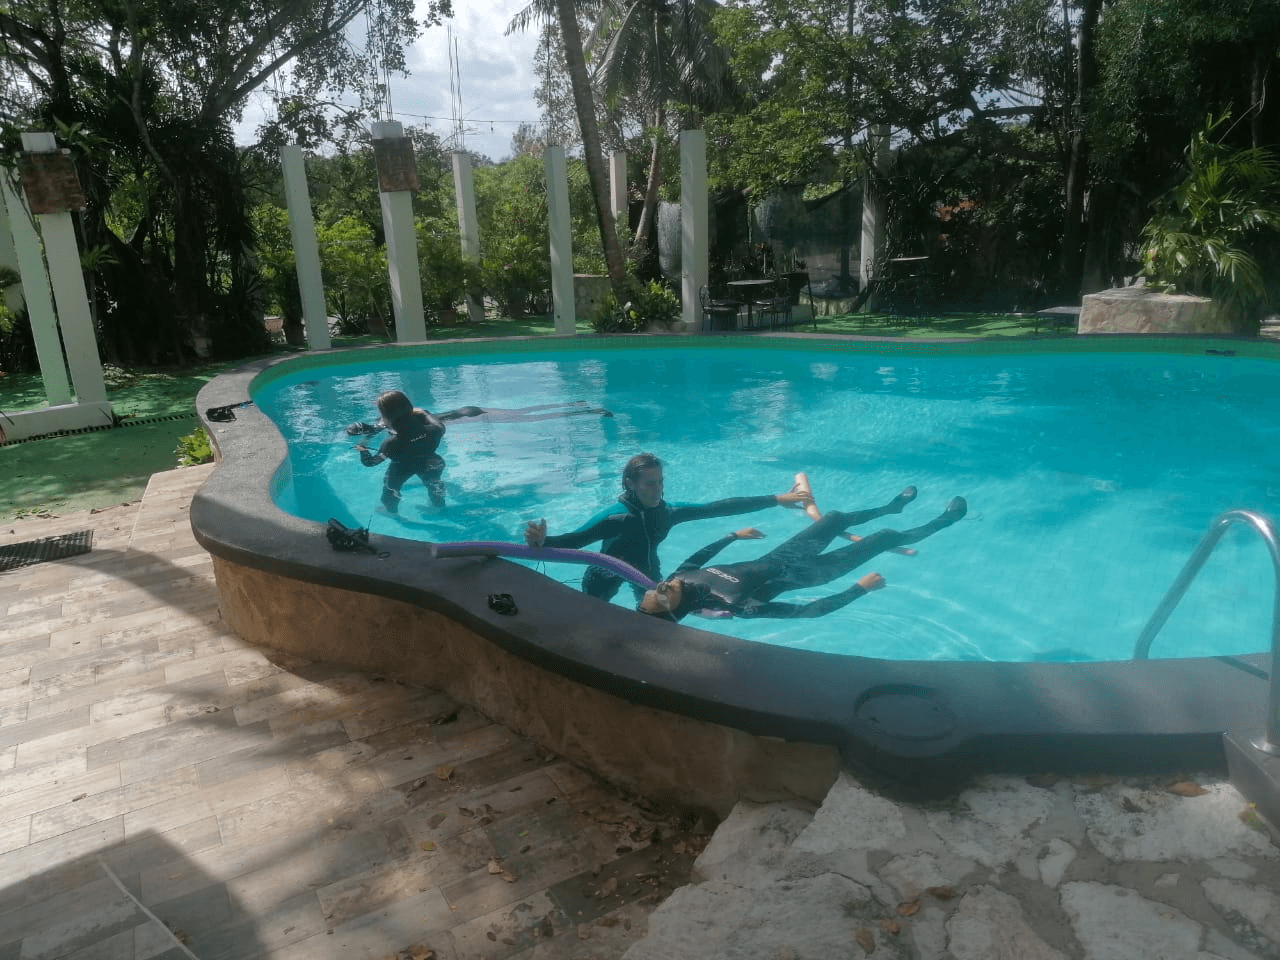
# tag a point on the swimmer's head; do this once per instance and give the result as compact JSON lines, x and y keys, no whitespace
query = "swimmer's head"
{"x":672,"y":599}
{"x":642,"y":479}
{"x":394,"y":405}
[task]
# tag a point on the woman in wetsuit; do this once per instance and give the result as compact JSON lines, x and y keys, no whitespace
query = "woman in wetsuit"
{"x":632,"y":530}
{"x":748,"y":589}
{"x":411,"y":448}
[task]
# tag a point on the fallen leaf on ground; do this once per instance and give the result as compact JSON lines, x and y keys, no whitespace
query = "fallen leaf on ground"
{"x":607,"y":922}
{"x":942,"y":893}
{"x":866,"y":939}
{"x":890,"y":925}
{"x":444,"y":771}
{"x":495,"y":866}
{"x":508,"y":876}
{"x":909,"y":907}
{"x":1249,"y":816}
{"x":609,"y":887}
{"x":427,"y":845}
{"x":1188,"y":788}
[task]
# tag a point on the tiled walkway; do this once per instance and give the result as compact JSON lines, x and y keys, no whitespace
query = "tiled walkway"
{"x":168,"y":792}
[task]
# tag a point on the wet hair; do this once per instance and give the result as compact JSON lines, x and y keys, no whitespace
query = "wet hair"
{"x":641,"y":461}
{"x":394,"y":405}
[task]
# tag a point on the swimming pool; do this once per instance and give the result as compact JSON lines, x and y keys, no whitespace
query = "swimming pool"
{"x":1090,"y":477}
{"x":681,"y":713}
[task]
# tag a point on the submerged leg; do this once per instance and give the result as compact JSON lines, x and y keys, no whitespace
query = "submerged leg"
{"x":815,"y":539}
{"x":815,"y":570}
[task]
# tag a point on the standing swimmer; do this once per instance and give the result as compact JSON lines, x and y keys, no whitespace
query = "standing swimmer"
{"x":411,"y":448}
{"x":632,"y":530}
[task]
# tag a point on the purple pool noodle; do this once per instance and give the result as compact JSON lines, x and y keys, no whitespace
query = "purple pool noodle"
{"x":500,"y":548}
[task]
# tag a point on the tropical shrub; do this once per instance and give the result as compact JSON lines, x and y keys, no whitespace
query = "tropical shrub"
{"x":447,"y":276}
{"x":194,"y":449}
{"x":648,"y":306}
{"x":1210,"y":232}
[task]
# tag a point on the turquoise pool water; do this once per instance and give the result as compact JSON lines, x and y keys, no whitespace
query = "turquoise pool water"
{"x":1090,"y":478}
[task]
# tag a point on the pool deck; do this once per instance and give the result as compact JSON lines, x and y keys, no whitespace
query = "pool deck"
{"x":265,"y":807}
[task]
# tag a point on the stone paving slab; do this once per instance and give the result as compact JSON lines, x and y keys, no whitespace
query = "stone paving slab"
{"x":167,"y":792}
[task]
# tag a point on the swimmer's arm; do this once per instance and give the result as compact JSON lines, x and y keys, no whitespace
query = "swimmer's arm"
{"x":370,"y":459}
{"x":817,"y":608}
{"x":732,"y":507}
{"x":601,"y":528}
{"x":695,"y":561}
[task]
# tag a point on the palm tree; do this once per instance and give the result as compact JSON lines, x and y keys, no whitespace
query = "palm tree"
{"x":660,"y":52}
{"x":565,"y":14}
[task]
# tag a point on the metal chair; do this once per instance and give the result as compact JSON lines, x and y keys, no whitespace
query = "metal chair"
{"x":774,"y":307}
{"x":718,"y":314}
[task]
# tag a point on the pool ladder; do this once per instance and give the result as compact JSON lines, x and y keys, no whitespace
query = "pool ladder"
{"x":1270,"y":742}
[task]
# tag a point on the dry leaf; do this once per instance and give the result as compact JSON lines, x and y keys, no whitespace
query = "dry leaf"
{"x":607,"y":922}
{"x":1188,"y":788}
{"x":890,"y":926}
{"x":495,"y":866}
{"x":866,"y":939}
{"x":609,"y":887}
{"x":421,"y":953}
{"x":942,"y":893}
{"x":909,"y":907}
{"x":427,"y":845}
{"x":437,"y":819}
{"x":444,"y":771}
{"x":508,"y":876}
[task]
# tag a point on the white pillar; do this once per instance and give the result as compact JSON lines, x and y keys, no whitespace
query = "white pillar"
{"x":464,"y":190}
{"x":873,"y":209}
{"x":694,"y":262}
{"x":402,"y":251}
{"x":306,"y":252}
{"x":63,"y":256}
{"x":618,"y":191}
{"x":561,"y":241}
{"x":35,"y":290}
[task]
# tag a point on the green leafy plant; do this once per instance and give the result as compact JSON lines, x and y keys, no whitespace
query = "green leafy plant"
{"x":648,"y":306}
{"x":1209,"y":232}
{"x":194,"y":449}
{"x":447,"y":276}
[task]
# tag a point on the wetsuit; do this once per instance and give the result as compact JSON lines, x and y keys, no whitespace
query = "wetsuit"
{"x":747,"y":589}
{"x":412,"y":452}
{"x":632,"y":533}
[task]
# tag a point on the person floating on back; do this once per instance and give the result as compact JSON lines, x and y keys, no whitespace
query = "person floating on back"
{"x":748,"y":588}
{"x":632,"y":530}
{"x":411,"y":448}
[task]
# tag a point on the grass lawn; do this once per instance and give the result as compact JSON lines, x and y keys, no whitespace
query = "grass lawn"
{"x":156,"y":407}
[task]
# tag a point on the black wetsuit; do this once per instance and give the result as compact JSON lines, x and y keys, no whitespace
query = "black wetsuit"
{"x":747,"y":589}
{"x":632,"y":533}
{"x":412,"y":452}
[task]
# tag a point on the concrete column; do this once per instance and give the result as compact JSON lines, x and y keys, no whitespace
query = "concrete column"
{"x":402,"y":251}
{"x":618,"y":192}
{"x":561,"y":241}
{"x":35,"y":290}
{"x":63,"y":257}
{"x":464,"y":190}
{"x":694,"y":262}
{"x":873,"y":210}
{"x":306,"y":252}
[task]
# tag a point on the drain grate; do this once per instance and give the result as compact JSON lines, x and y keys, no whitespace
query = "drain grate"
{"x":14,"y":555}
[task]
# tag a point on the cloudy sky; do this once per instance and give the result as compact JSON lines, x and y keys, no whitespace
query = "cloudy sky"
{"x":496,"y":75}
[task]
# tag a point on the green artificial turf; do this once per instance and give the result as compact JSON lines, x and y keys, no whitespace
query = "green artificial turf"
{"x":154,"y":408}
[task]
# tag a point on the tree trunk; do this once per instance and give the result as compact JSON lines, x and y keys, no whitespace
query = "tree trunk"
{"x":585,"y":106}
{"x":654,"y":181}
{"x":1077,"y":161}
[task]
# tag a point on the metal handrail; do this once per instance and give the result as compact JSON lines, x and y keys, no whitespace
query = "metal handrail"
{"x":1270,"y":742}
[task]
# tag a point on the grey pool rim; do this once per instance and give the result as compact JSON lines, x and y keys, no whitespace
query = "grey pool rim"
{"x":682,"y":713}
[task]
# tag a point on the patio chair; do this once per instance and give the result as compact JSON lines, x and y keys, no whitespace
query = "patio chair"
{"x":718,"y":314}
{"x":774,"y":305}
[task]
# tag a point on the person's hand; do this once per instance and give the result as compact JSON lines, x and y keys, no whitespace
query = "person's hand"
{"x":795,"y":498}
{"x":535,"y":533}
{"x":748,"y":533}
{"x":872,"y":581}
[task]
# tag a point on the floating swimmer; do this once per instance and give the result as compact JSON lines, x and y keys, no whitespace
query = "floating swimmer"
{"x":748,"y":589}
{"x":632,"y":530}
